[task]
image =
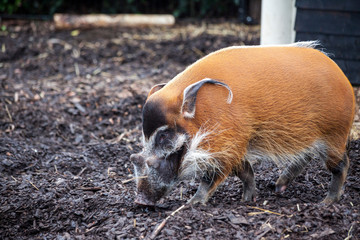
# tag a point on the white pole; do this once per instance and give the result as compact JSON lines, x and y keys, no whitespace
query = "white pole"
{"x":277,"y":22}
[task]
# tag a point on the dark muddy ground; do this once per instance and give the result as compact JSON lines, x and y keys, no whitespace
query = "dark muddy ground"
{"x":70,"y":118}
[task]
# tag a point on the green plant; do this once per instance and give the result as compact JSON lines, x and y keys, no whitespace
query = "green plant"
{"x":42,"y":6}
{"x":9,"y":6}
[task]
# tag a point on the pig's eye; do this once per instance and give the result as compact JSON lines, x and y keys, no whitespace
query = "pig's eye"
{"x":162,"y":137}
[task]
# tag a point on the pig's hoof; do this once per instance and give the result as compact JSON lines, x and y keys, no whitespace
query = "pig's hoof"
{"x":280,"y":188}
{"x":248,"y":197}
{"x":252,"y":199}
{"x":329,"y":200}
{"x":194,"y":200}
{"x":140,"y":200}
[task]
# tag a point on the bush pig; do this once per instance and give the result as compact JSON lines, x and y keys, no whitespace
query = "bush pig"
{"x":287,"y":104}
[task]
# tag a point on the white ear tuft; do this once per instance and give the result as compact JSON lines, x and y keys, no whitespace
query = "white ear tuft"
{"x":188,"y":114}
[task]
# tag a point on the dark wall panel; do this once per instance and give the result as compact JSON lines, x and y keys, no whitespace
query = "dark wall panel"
{"x":328,"y":22}
{"x":336,"y":23}
{"x":336,"y":5}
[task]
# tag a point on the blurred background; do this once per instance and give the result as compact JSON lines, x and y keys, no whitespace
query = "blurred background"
{"x":335,"y":23}
{"x":181,"y":8}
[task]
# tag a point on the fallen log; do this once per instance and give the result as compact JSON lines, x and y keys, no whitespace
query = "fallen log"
{"x":69,"y":21}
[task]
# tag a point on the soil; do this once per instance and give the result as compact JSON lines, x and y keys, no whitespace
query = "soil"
{"x":70,"y":117}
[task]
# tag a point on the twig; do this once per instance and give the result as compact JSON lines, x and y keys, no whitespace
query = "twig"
{"x":306,"y":229}
{"x":118,"y":138}
{"x":89,"y":229}
{"x":14,"y":178}
{"x":94,"y":136}
{"x":92,"y":225}
{"x":81,"y":172}
{"x":33,"y":185}
{"x":132,"y":179}
{"x":8,"y":101}
{"x":349,"y":235}
{"x":8,"y":112}
{"x":162,"y":224}
{"x":255,"y":213}
{"x":181,"y":193}
{"x":264,"y":210}
{"x":198,"y":52}
{"x":77,"y":71}
{"x":268,"y":229}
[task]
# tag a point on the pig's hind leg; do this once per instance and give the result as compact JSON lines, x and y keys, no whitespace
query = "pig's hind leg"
{"x":297,"y":162}
{"x":338,"y":168}
{"x":293,"y":170}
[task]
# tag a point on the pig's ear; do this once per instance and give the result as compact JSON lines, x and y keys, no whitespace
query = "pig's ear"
{"x":190,"y":93}
{"x":156,"y":88}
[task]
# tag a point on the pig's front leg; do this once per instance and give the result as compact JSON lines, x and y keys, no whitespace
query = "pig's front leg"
{"x":207,"y":187}
{"x":202,"y":194}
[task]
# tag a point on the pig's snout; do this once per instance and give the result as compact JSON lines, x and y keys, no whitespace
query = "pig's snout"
{"x":137,"y":160}
{"x":143,"y":185}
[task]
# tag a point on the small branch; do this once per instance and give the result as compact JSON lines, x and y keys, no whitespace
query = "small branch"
{"x":181,"y":193}
{"x":117,"y":139}
{"x":264,"y":210}
{"x":89,"y":229}
{"x":198,"y":52}
{"x":77,"y":71}
{"x":349,"y":235}
{"x":81,"y":172}
{"x":162,"y":224}
{"x":94,"y":136}
{"x":132,"y":179}
{"x":92,"y":226}
{"x":33,"y":185}
{"x":8,"y":112}
{"x":255,"y":213}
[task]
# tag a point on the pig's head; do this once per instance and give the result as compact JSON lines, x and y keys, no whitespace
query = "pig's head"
{"x":157,"y":166}
{"x":165,"y":142}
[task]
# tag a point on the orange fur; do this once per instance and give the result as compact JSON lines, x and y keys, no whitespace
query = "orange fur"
{"x":274,"y":88}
